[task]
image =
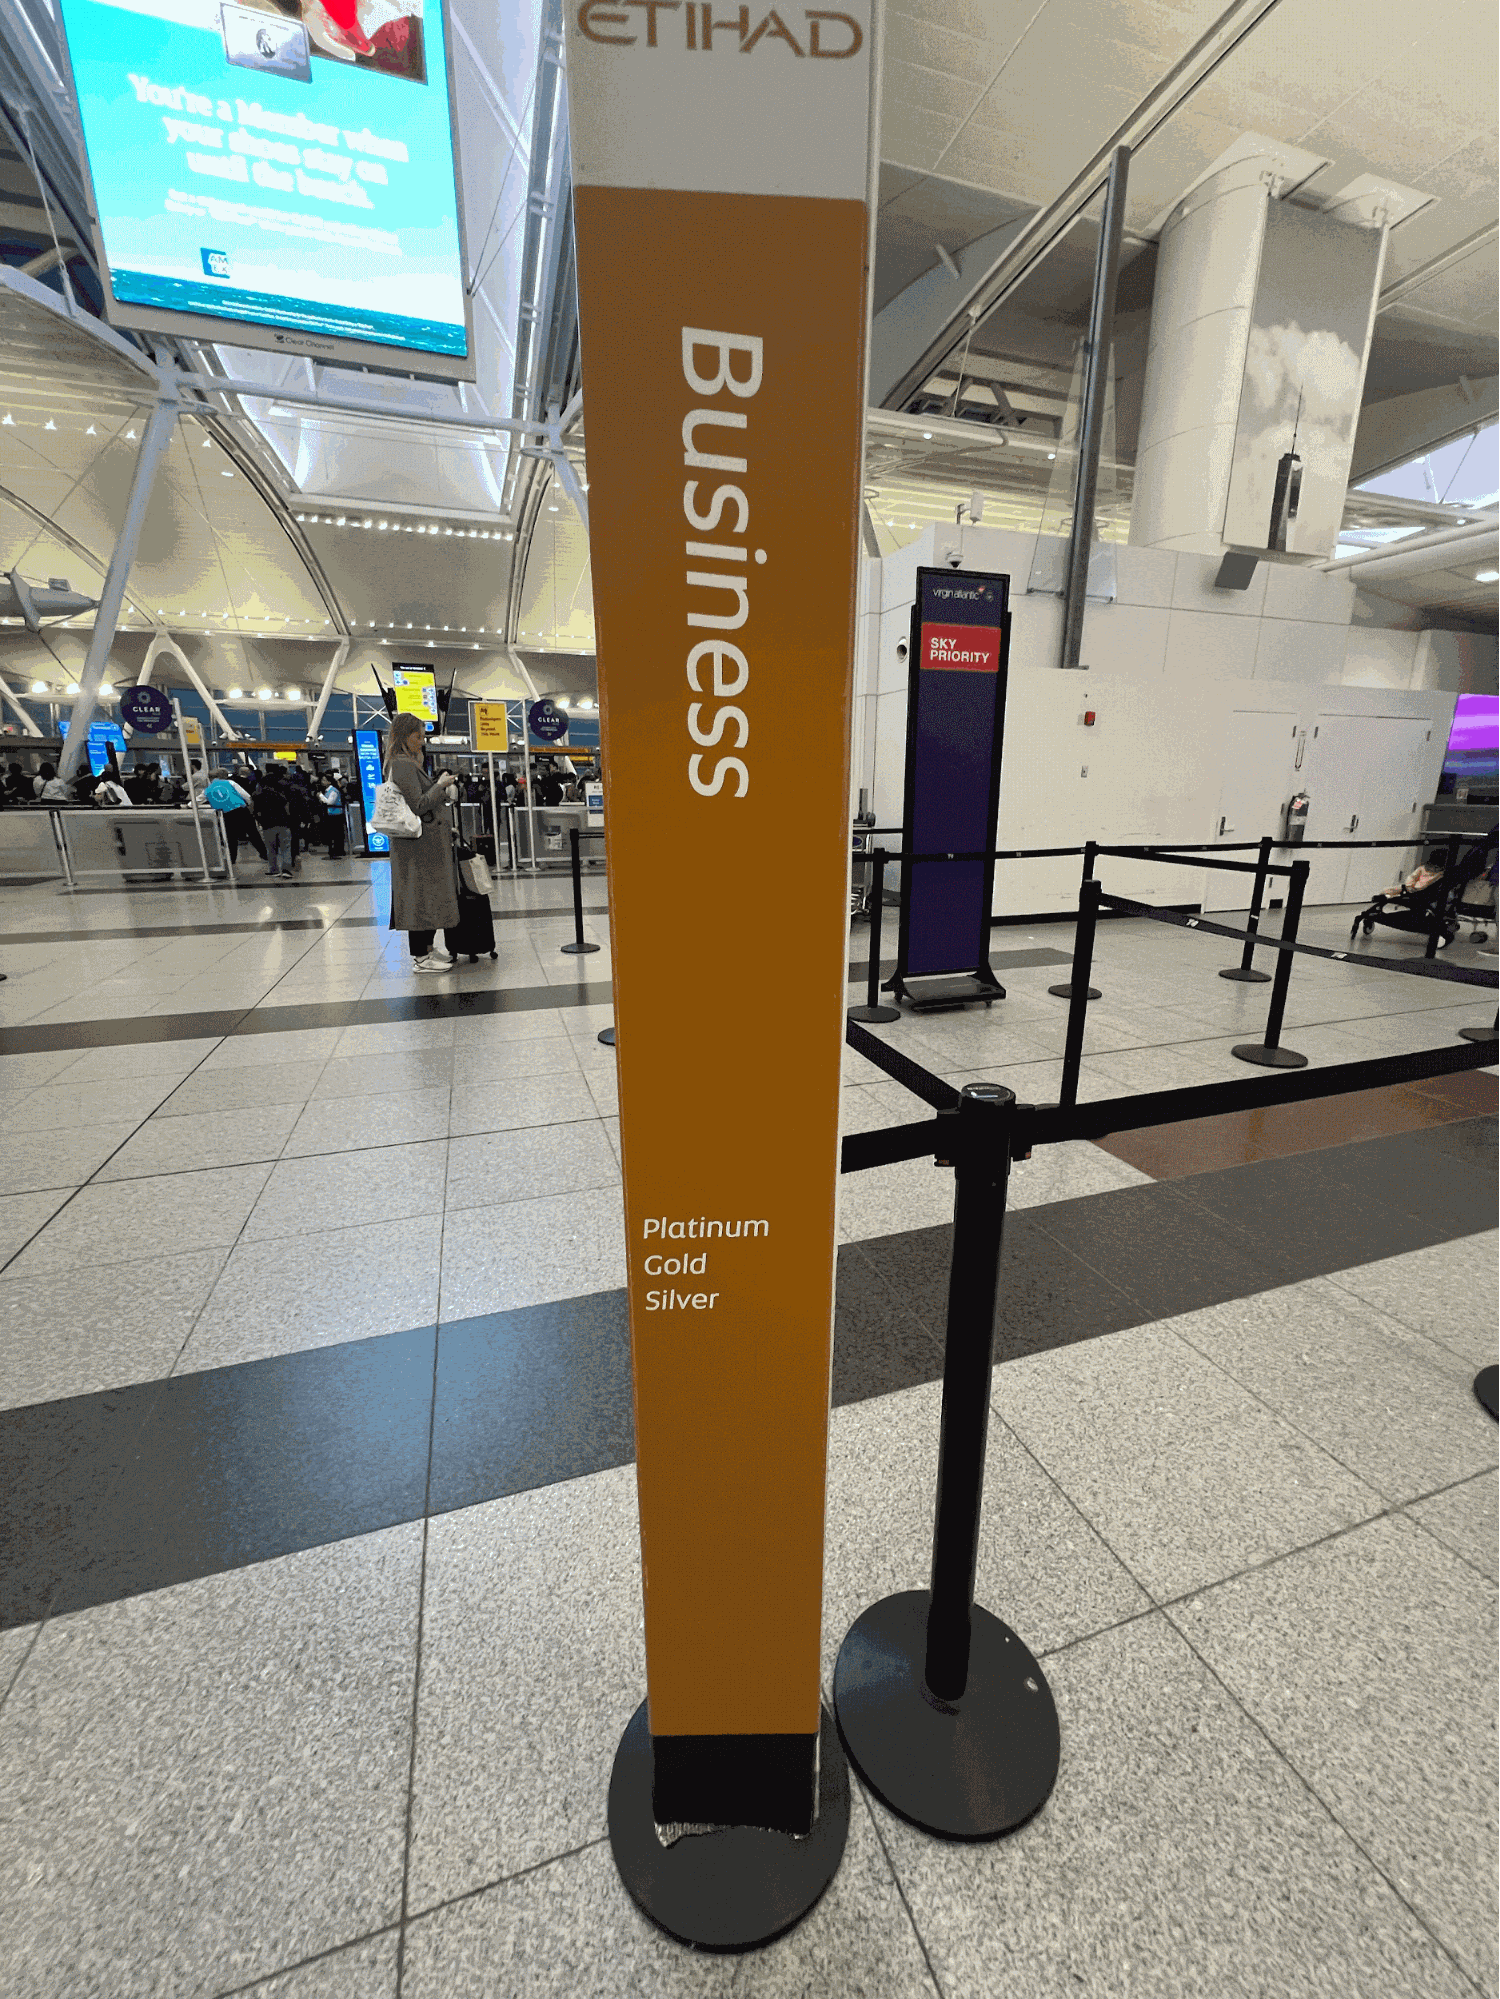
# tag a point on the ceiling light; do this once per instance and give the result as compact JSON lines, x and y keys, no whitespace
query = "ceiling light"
{"x":131,"y":435}
{"x":235,"y":694}
{"x":927,"y":434}
{"x":7,"y":419}
{"x":294,"y":694}
{"x":226,"y":474}
{"x":551,"y":510}
{"x":1487,"y":576}
{"x":264,"y":694}
{"x":91,"y":432}
{"x":107,"y":688}
{"x":207,"y":443}
{"x":72,"y":687}
{"x":39,"y":687}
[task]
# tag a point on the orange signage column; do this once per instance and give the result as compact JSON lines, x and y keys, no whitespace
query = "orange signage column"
{"x":721,"y":167}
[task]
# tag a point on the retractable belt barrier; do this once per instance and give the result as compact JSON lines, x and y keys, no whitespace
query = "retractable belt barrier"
{"x":1420,"y":968}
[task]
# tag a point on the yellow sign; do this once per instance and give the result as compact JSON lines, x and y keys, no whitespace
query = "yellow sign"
{"x":489,"y":726}
{"x":416,"y":693}
{"x":284,"y":756}
{"x":192,"y":732}
{"x":741,"y":186}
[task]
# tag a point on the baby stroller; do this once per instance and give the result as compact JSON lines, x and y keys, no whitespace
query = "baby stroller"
{"x":1432,"y":888}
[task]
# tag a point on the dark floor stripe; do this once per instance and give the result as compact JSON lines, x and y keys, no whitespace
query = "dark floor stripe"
{"x":133,"y":1489}
{"x":547,"y":909}
{"x":161,"y":930}
{"x":427,"y":1004}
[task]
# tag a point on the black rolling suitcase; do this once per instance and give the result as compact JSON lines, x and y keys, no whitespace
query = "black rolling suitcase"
{"x":473,"y":936}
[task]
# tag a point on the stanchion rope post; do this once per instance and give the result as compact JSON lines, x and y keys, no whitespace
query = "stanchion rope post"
{"x":1269,"y":1054}
{"x":1244,"y":973}
{"x":940,"y":1706}
{"x":578,"y":947}
{"x":1082,"y":992}
{"x":872,"y":1010}
{"x":1090,"y":849}
{"x":1439,"y":904}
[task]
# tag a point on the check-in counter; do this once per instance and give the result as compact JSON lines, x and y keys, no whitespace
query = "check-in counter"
{"x":140,"y":843}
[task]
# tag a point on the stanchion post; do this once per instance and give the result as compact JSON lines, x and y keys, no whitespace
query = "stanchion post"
{"x":1082,"y":992}
{"x":578,"y":947}
{"x":1481,"y":1033}
{"x":872,"y":1010}
{"x":1244,"y":973}
{"x":1090,"y":850}
{"x":1439,"y":905}
{"x":940,"y":1706}
{"x":1269,"y":1054}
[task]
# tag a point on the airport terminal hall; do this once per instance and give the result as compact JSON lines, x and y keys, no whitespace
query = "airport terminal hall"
{"x":749,"y":822}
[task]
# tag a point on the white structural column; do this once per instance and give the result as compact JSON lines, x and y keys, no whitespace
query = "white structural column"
{"x":1206,"y":275}
{"x":161,"y":643}
{"x":340,"y":654}
{"x":9,"y":698}
{"x":154,"y":441}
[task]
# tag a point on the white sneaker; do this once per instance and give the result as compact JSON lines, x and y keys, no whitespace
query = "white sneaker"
{"x":432,"y":964}
{"x":441,"y":956}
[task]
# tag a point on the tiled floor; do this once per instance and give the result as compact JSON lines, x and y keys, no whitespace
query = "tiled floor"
{"x":320,"y":1593}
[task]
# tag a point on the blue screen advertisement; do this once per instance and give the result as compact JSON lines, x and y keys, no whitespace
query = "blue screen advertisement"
{"x":371,"y":776}
{"x":284,"y":163}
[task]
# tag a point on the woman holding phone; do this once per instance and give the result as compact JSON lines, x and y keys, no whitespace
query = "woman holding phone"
{"x":424,"y":887}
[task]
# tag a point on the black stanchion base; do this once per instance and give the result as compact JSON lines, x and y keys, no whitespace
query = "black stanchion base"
{"x":1268,"y":1058}
{"x":729,"y":1890}
{"x":1477,"y":1033}
{"x":1066,"y":992}
{"x":1485,"y":1390}
{"x":973,"y":1769}
{"x":874,"y":1013}
{"x":577,"y":950}
{"x":607,"y":1036}
{"x":1244,"y":978}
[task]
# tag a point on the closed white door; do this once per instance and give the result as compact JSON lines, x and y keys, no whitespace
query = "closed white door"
{"x":1361,"y":775}
{"x":1258,"y":753}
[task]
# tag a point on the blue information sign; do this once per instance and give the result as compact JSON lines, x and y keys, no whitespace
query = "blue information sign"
{"x":146,"y":709}
{"x":371,"y":776}
{"x":955,"y":730}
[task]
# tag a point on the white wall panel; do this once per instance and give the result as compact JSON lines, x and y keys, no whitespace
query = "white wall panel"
{"x":1132,"y":638}
{"x":1299,"y":649}
{"x":1376,"y":658}
{"x":1201,"y":646}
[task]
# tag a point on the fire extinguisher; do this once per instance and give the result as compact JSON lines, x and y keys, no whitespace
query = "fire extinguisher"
{"x":1295,"y":819}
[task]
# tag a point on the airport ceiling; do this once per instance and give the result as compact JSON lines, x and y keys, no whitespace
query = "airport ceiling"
{"x":414,"y":522}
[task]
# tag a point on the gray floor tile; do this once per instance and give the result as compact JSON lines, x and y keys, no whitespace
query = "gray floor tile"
{"x":359,"y":1971}
{"x":487,"y":1030}
{"x":1041,"y":1566}
{"x":1178,"y":1857}
{"x":1450,"y":1292}
{"x":532,"y":1252}
{"x":1393,"y":1407}
{"x":149,"y":1212}
{"x":1464,"y":1519}
{"x":490,"y":1065}
{"x":116,"y":1321}
{"x":144,"y":1058}
{"x":1370,"y":1663}
{"x":243,"y":1087}
{"x":15,"y":1645}
{"x":208,"y":1782}
{"x":510,"y":1165}
{"x":389,"y":1037}
{"x":65,"y":1106}
{"x":357,"y":1283}
{"x":1063,"y":1172}
{"x":513,"y":1765}
{"x":259,"y":1051}
{"x":913,"y":1194}
{"x":1198,"y":1480}
{"x":386,"y":1075}
{"x":519,"y":1101}
{"x":612,"y":1133}
{"x":208,"y":1138}
{"x":571,"y":1927}
{"x":20,"y":1073}
{"x":394,"y":1183}
{"x":355,"y":1124}
{"x":66,"y":1158}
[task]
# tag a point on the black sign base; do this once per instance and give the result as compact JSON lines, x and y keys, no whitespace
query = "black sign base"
{"x":971,"y":1769}
{"x":1477,"y":1033}
{"x":1250,"y":978}
{"x":1268,"y":1058}
{"x":874,"y":1014}
{"x":1485,"y":1388}
{"x":731,"y":1890}
{"x":1066,"y":992}
{"x":606,"y":1035}
{"x":962,"y":989}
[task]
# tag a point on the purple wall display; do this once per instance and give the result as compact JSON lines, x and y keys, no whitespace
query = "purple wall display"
{"x":955,"y":731}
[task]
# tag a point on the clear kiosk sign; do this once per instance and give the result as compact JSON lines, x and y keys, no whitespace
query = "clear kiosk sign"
{"x":285,"y":166}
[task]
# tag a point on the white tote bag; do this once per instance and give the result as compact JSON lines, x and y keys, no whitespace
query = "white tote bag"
{"x":392,"y":814}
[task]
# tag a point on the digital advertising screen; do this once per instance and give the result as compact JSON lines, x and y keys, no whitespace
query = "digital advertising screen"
{"x":416,"y":693}
{"x":367,"y":744}
{"x":277,"y":173}
{"x":1473,"y":750}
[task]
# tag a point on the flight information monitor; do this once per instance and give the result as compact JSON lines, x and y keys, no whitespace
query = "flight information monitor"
{"x":277,"y":173}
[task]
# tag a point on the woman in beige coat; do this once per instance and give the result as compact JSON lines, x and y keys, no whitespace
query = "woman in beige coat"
{"x":424,"y":887}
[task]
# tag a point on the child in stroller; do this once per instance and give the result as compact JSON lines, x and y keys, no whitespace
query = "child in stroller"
{"x":1435,"y":889}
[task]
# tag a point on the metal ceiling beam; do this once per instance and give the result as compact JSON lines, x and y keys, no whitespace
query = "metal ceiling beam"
{"x":1036,"y":237}
{"x":1435,"y":266}
{"x":350,"y":406}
